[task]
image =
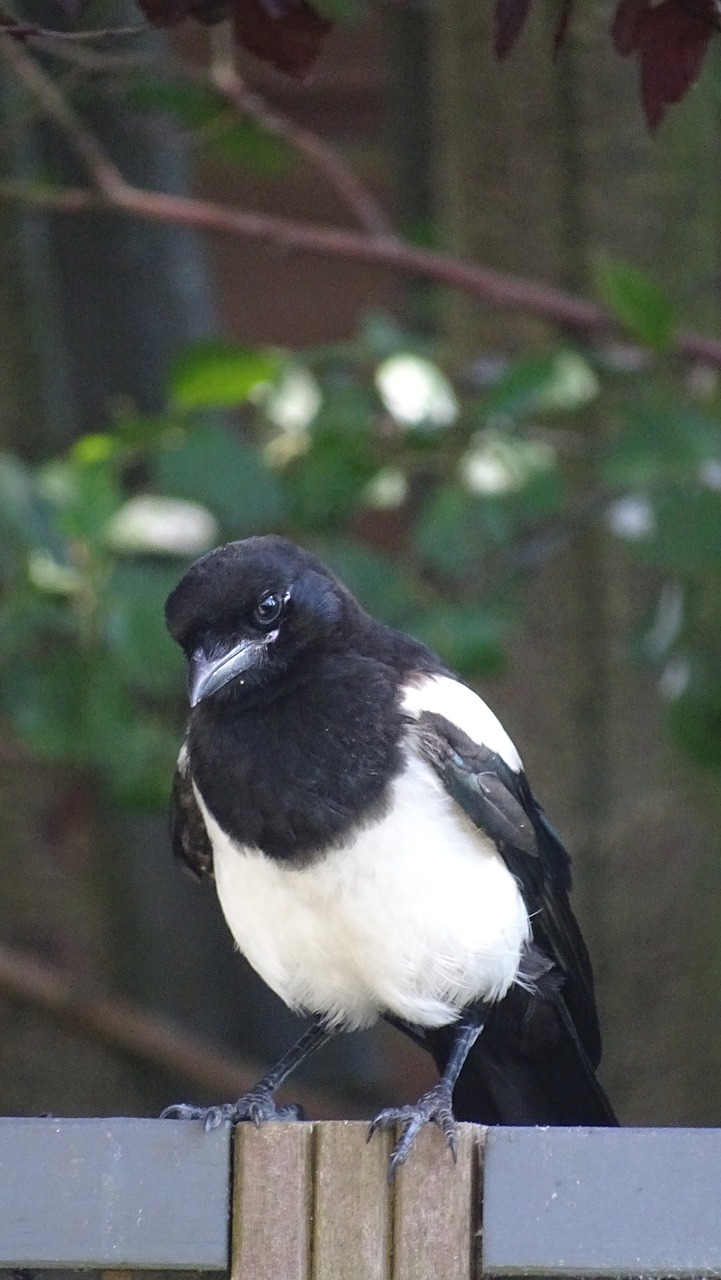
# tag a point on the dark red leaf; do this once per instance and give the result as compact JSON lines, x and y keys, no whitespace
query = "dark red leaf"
{"x":287,"y":33}
{"x":671,"y":43}
{"x":291,"y":41}
{"x":626,"y":24}
{"x":509,"y":19}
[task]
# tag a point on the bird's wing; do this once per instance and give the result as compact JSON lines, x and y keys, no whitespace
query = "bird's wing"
{"x":495,"y":795}
{"x":188,"y":833}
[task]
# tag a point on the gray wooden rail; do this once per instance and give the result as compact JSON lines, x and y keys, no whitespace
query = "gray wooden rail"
{"x":312,"y":1202}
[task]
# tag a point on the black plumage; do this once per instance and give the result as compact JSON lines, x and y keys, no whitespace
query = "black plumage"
{"x":297,"y":737}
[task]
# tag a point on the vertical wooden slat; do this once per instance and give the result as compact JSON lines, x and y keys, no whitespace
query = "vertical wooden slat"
{"x":272,"y":1202}
{"x":435,"y":1218}
{"x":351,"y":1229}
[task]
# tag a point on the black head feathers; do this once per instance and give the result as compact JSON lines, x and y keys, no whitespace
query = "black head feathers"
{"x":249,"y":611}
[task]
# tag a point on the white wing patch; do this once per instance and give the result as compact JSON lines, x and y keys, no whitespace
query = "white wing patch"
{"x":462,"y":707}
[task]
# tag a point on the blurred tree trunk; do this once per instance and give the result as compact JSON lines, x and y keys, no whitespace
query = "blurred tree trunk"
{"x":541,"y":167}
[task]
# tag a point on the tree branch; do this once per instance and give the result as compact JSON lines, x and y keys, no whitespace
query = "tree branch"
{"x":147,"y":1037}
{"x":55,"y":106}
{"x":494,"y":287}
{"x":223,"y":76}
{"x":114,"y":194}
{"x":21,"y":30}
{"x":247,"y":103}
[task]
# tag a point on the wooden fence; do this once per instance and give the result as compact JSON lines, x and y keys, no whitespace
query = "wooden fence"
{"x":312,"y":1201}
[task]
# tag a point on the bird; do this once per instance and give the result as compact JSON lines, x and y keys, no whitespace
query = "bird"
{"x":377,"y":850}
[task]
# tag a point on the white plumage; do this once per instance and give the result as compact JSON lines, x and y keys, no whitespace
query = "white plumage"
{"x":459,"y":704}
{"x":416,"y":915}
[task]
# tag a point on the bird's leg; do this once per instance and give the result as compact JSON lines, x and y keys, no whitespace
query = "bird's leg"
{"x":436,"y":1105}
{"x":258,"y":1104}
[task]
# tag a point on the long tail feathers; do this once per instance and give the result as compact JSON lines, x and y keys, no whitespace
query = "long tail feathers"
{"x":528,"y":1067}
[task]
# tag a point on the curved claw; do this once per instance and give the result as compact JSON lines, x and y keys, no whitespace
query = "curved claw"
{"x":182,"y":1111}
{"x":257,"y":1105}
{"x":434,"y":1107}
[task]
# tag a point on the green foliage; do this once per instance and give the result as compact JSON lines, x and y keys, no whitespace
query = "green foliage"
{"x":553,"y":382}
{"x":436,"y":527}
{"x":216,"y":375}
{"x":661,"y":446}
{"x":638,"y":302}
{"x":213,"y":466}
{"x":200,"y":108}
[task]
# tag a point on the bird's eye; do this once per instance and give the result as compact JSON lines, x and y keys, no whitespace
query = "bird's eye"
{"x":268,"y":610}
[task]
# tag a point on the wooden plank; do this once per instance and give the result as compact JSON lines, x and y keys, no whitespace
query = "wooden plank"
{"x":272,"y":1202}
{"x":602,"y":1202}
{"x":435,"y":1208}
{"x":351,"y":1225}
{"x":113,"y":1194}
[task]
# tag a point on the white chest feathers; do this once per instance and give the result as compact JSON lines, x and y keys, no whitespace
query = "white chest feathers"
{"x":416,"y":915}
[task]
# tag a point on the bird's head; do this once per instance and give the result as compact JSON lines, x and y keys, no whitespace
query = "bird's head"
{"x":249,"y":613}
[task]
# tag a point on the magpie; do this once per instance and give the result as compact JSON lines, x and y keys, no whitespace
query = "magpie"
{"x":376,"y":848}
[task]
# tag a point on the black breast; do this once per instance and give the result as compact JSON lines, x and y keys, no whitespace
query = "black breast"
{"x":296,"y":775}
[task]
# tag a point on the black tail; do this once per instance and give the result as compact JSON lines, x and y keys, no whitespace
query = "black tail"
{"x":528,"y":1067}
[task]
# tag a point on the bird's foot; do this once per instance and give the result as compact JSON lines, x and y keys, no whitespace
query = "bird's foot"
{"x":434,"y":1107}
{"x":257,"y":1105}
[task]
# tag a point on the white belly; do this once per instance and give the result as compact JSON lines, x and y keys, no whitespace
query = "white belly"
{"x":417,"y":915}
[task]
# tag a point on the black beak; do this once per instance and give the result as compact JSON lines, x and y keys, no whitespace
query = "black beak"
{"x":207,"y":675}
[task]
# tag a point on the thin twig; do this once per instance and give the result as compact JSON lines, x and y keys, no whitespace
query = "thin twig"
{"x":93,"y":60}
{"x":494,"y":287}
{"x":21,"y":30}
{"x":246,"y":102}
{"x":104,"y":173}
{"x":146,"y":1037}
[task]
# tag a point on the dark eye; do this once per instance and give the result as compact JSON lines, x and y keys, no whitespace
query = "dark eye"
{"x":268,"y":610}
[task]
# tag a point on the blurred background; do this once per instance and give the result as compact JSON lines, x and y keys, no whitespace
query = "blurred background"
{"x":537,"y":497}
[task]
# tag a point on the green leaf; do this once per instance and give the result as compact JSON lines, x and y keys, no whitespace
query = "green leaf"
{"x":218,"y":375}
{"x":191,"y":105}
{"x":550,"y":383}
{"x":26,"y":615}
{"x":73,"y":705}
{"x":658,"y":446}
{"x":638,"y":302}
{"x":327,"y":482}
{"x":687,"y":535}
{"x":85,"y":495}
{"x":138,"y":642}
{"x":25,"y":515}
{"x":466,"y":637}
{"x":242,"y":142}
{"x":347,"y":408}
{"x":450,"y":535}
{"x":382,"y":587}
{"x":42,"y":692}
{"x":210,"y":465}
{"x":380,"y":335}
{"x":694,"y":717}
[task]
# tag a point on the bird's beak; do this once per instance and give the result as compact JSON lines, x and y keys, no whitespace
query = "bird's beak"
{"x":208,"y":675}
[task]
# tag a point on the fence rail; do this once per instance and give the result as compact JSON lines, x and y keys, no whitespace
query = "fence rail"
{"x":312,"y":1201}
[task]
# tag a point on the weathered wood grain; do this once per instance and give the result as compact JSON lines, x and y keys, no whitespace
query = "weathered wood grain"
{"x":435,"y":1215}
{"x":272,"y":1202}
{"x":351,"y":1221}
